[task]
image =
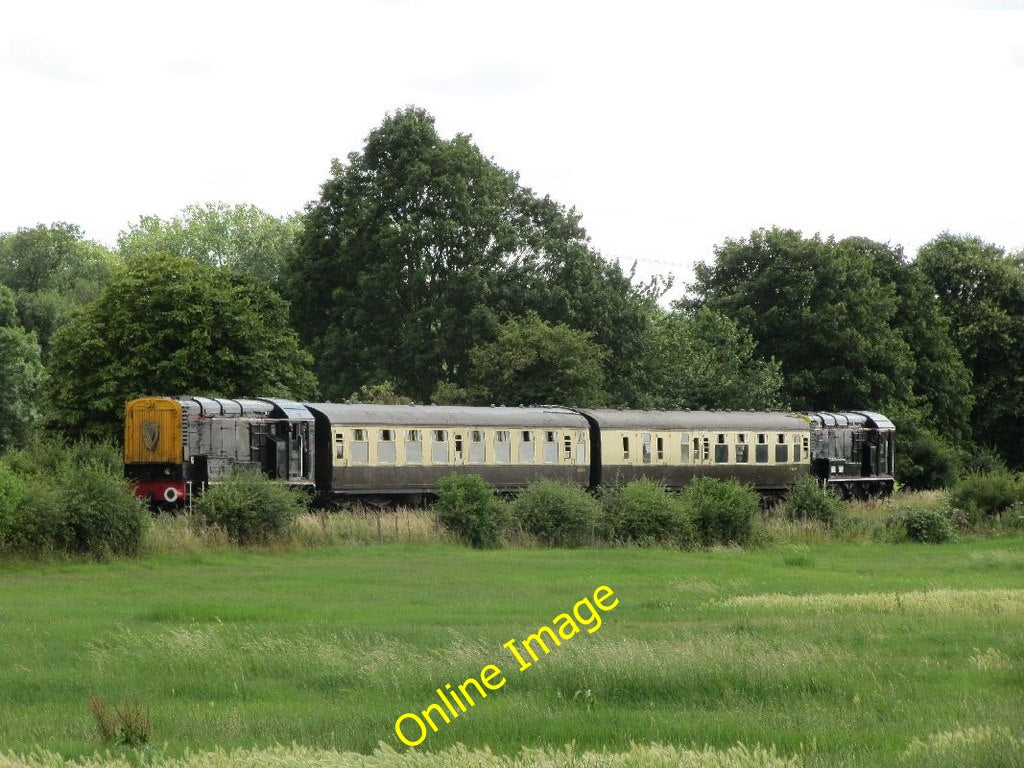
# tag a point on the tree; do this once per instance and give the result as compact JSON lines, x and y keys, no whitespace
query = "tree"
{"x":819,"y":308}
{"x":420,"y":247}
{"x":981,"y":290}
{"x":239,"y":237}
{"x":706,"y":361}
{"x":53,"y":271}
{"x":165,"y":325}
{"x":532,"y":361}
{"x":21,"y":376}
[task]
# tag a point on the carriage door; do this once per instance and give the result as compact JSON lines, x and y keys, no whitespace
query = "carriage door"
{"x":701,"y":448}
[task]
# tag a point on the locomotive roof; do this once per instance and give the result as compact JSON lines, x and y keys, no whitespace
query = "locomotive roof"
{"x":449,"y":415}
{"x":733,"y":421}
{"x":850,"y":419}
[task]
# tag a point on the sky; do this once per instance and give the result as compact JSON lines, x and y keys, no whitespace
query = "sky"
{"x":669,"y":126}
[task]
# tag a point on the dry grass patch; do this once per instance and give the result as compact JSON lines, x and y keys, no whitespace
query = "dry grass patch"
{"x":932,"y":602}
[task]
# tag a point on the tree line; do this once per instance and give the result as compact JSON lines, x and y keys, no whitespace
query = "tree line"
{"x":424,"y":272}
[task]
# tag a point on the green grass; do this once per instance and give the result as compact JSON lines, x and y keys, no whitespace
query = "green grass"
{"x":836,"y":654}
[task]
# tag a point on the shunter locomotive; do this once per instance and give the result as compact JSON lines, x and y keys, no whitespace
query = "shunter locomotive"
{"x":175,"y":446}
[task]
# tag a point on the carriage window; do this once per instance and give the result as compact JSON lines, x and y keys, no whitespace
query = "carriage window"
{"x":742,"y":449}
{"x":549,"y":437}
{"x":339,"y":445}
{"x":477,"y":454}
{"x":581,"y":447}
{"x":796,"y":447}
{"x":476,"y":436}
{"x":705,"y":449}
{"x":414,"y":446}
{"x":781,"y":453}
{"x":502,"y":447}
{"x":439,"y":446}
{"x":684,"y":448}
{"x":386,"y":447}
{"x":567,"y":446}
{"x":782,"y":439}
{"x":721,"y":450}
{"x":661,"y":448}
{"x":806,"y":444}
{"x":526,"y":454}
{"x":761,"y":451}
{"x":360,"y":448}
{"x":645,"y":445}
{"x":625,"y":447}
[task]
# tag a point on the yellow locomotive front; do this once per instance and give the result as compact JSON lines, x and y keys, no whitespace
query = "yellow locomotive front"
{"x":154,"y":448}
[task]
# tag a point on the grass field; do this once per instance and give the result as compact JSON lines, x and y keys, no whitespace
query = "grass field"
{"x":833,"y":654}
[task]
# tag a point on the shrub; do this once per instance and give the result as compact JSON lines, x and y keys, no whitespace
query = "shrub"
{"x":467,"y":507}
{"x":987,"y":494}
{"x":723,"y":510}
{"x":250,"y":507}
{"x":929,"y":526}
{"x":12,"y":492}
{"x":103,"y":515}
{"x":557,"y":514}
{"x":644,"y":511}
{"x":78,"y":503}
{"x":808,"y":500}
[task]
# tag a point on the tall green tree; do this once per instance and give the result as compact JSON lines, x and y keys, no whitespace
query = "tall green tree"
{"x":52,"y":270}
{"x":704,"y":360}
{"x":239,"y":237}
{"x":21,"y":376}
{"x":532,"y":361}
{"x":981,"y":290}
{"x":167,"y":325}
{"x":420,"y":247}
{"x":819,"y":308}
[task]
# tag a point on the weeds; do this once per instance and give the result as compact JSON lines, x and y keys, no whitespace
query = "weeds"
{"x":128,"y":725}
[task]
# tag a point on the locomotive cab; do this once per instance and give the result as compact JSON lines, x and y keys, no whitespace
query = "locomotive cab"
{"x":852,"y":452}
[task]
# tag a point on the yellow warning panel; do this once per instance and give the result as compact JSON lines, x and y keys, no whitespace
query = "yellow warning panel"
{"x":152,"y":431}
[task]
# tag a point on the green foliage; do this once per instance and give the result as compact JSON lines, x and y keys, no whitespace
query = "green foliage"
{"x":12,"y":494}
{"x":380,"y":394}
{"x":557,"y":514}
{"x":981,"y":291}
{"x":928,"y":526}
{"x":78,"y":504}
{"x":645,"y":512}
{"x":420,"y":246}
{"x":52,"y":271}
{"x":242,"y":238}
{"x":532,"y":361}
{"x":988,"y":494}
{"x":250,"y":507}
{"x":169,"y":324}
{"x":704,"y":360}
{"x":723,"y":510}
{"x":467,"y":507}
{"x":924,"y":459}
{"x":21,"y":376}
{"x":808,"y":500}
{"x":820,"y":308}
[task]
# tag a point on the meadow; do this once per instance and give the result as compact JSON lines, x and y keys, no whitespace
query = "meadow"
{"x":836,"y":653}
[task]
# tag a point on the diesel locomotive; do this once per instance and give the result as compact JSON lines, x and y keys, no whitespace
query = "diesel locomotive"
{"x":176,"y":446}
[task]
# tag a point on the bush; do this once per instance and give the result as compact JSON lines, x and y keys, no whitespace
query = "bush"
{"x":645,"y":512}
{"x":467,"y":507}
{"x":12,"y":493}
{"x":557,"y":514}
{"x":78,"y":503}
{"x":929,"y":526}
{"x":103,"y":516}
{"x":808,"y":500}
{"x":723,"y":510}
{"x":250,"y":507}
{"x":988,"y":494}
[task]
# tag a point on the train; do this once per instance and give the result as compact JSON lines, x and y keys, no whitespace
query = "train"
{"x":174,"y":447}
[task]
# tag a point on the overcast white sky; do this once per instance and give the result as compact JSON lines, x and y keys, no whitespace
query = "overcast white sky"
{"x":669,"y":126}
